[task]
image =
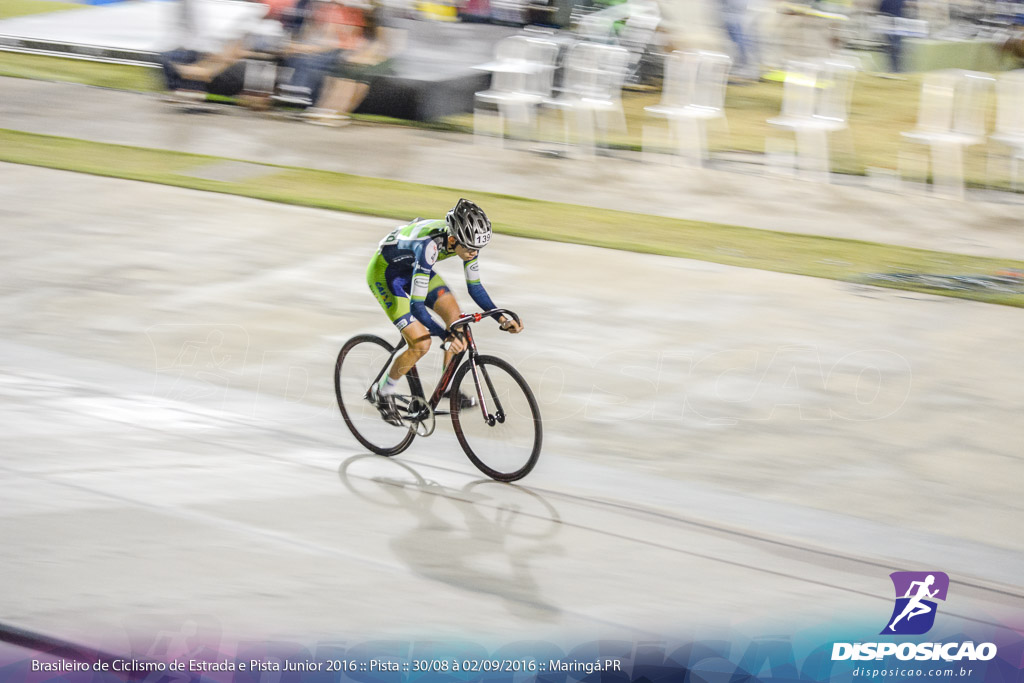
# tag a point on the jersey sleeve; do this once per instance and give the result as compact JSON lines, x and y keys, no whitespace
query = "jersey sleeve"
{"x":426,"y":257}
{"x":476,"y":290}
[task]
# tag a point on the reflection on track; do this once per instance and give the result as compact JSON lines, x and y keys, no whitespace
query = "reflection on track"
{"x":480,"y":537}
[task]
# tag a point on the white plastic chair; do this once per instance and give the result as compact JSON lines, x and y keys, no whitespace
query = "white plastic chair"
{"x":544,"y":54}
{"x":815,"y":104}
{"x":693,"y":93}
{"x":951,"y":117}
{"x":514,"y":81}
{"x":1009,"y":130}
{"x":592,"y":90}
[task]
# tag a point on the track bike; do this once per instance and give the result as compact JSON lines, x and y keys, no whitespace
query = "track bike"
{"x":500,"y":431}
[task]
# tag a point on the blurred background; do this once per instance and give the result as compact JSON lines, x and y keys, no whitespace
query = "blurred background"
{"x":889,"y":91}
{"x":769,"y":257}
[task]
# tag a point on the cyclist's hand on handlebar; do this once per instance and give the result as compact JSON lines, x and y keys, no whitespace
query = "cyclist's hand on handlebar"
{"x":455,"y":342}
{"x":510,"y":325}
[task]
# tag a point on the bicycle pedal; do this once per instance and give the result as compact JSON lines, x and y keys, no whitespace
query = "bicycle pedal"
{"x":419,"y":414}
{"x":420,"y":417}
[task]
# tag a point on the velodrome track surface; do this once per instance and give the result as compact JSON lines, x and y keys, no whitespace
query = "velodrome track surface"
{"x":724,"y":447}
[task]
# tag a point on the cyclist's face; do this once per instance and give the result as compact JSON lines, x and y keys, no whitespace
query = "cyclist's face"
{"x":464,"y":253}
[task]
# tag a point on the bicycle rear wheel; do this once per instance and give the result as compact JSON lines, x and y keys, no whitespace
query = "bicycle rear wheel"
{"x":357,"y":366}
{"x":505,"y":443}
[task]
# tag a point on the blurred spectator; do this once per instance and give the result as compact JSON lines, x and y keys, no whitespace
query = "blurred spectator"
{"x":280,"y":9}
{"x":733,"y":17}
{"x":333,"y":28}
{"x":350,"y":80}
{"x":191,"y":75}
{"x":895,"y":9}
{"x":293,"y":16}
{"x":199,"y":66}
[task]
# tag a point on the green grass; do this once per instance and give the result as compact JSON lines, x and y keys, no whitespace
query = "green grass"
{"x":117,"y":76}
{"x":839,"y":259}
{"x":21,"y":8}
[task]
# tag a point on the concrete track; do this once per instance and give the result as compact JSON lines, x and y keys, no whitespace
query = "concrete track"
{"x":724,"y":448}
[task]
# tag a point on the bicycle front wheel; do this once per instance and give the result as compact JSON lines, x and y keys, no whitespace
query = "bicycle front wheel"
{"x":502,"y":435}
{"x":359,"y":362}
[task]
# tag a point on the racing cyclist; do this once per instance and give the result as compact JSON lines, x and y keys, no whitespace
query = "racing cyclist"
{"x":402,"y":278}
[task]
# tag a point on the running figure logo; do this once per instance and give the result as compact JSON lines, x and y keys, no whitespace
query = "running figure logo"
{"x":916,"y":592}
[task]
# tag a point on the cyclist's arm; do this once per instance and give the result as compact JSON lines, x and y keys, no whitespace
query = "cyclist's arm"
{"x":421,"y":275}
{"x":476,"y":290}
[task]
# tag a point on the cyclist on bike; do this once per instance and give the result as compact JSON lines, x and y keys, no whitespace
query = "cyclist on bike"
{"x":402,"y":278}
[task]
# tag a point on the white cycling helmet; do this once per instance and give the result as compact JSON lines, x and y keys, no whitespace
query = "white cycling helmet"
{"x":468,"y":224}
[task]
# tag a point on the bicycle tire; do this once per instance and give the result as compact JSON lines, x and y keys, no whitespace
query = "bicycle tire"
{"x":520,"y":409}
{"x":368,"y":427}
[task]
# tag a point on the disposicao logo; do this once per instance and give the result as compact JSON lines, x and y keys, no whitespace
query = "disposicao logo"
{"x":916,"y":593}
{"x":912,"y":615}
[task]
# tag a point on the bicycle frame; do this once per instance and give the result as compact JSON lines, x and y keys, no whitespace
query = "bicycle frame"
{"x":462,"y":324}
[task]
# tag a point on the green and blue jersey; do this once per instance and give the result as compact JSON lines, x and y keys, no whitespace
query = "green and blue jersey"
{"x":401,"y":274}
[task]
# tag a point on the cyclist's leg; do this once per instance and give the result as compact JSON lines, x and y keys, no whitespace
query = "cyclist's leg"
{"x":441,"y":300}
{"x":396,"y":306}
{"x":446,"y":306}
{"x":417,"y":337}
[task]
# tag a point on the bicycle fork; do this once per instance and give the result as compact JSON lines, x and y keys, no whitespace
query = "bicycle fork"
{"x":499,"y":416}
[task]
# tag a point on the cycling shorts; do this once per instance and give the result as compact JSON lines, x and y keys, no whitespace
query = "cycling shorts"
{"x":391,"y":291}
